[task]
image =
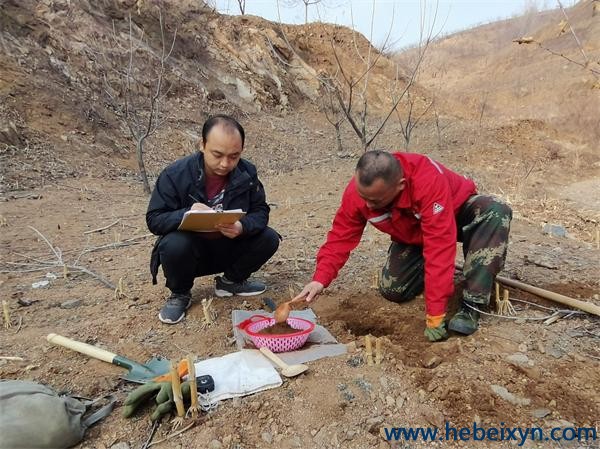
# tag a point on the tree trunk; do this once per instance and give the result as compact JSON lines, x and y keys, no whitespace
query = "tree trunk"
{"x":142,"y":168}
{"x":338,"y":138}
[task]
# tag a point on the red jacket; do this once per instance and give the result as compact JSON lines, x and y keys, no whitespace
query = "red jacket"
{"x":423,"y":214}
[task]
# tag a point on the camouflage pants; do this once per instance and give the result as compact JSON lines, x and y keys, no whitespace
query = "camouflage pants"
{"x":483,"y":225}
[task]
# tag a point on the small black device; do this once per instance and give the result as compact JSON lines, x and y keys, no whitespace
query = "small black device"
{"x":205,"y":384}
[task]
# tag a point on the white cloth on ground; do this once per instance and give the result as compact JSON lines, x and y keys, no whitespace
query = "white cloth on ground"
{"x":237,"y":374}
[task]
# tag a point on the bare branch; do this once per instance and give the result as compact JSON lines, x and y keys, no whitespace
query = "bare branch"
{"x":56,"y":251}
{"x":587,"y":61}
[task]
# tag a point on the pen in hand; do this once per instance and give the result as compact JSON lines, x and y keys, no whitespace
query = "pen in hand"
{"x":198,"y":205}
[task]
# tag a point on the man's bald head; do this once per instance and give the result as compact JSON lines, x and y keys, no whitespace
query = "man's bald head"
{"x":378,"y":164}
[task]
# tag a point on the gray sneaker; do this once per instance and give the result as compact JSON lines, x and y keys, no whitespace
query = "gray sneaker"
{"x":225,"y":287}
{"x":174,"y":310}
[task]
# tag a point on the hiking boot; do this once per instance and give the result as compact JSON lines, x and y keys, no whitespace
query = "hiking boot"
{"x":465,"y":321}
{"x":225,"y":287}
{"x":174,"y":310}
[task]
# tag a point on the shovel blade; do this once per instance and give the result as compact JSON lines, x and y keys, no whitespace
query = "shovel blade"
{"x":141,"y":374}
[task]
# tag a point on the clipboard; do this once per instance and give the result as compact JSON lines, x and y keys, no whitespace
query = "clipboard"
{"x":206,"y":220}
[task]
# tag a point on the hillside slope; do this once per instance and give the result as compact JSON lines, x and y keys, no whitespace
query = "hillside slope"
{"x":61,"y":59}
{"x":487,"y":75}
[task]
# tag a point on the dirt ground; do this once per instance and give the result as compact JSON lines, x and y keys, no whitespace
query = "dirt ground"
{"x":340,"y":401}
{"x":67,"y":170}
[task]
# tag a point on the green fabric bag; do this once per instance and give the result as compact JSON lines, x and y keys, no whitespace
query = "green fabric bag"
{"x":35,"y":416}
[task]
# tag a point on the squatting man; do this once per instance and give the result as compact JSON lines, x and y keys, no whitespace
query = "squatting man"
{"x":425,"y":208}
{"x":216,"y":177}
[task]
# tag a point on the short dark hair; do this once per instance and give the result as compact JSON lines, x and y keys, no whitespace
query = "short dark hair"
{"x":225,"y":120}
{"x":376,"y":164}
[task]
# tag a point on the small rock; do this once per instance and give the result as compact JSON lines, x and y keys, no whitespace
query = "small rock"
{"x":523,"y":347}
{"x":554,"y":230}
{"x":355,"y":361}
{"x":384,"y":382}
{"x":399,"y":402}
{"x":540,"y":412}
{"x":373,"y":423}
{"x":267,"y":437}
{"x":432,"y":362}
{"x":390,"y":401}
{"x":432,"y":416}
{"x":254,"y":406}
{"x":120,"y":445}
{"x":508,"y":396}
{"x":320,"y":436}
{"x":348,"y":396}
{"x":520,"y":359}
{"x":71,"y":303}
{"x":215,"y":444}
{"x":554,"y":352}
{"x":363,"y":385}
{"x":552,"y":403}
{"x":313,"y":432}
{"x":40,"y":284}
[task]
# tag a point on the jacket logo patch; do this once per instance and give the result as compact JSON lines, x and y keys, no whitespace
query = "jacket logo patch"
{"x":437,"y":208}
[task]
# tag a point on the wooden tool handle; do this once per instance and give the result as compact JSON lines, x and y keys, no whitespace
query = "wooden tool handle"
{"x":83,"y":348}
{"x":571,"y":302}
{"x":297,"y":300}
{"x":269,"y":354}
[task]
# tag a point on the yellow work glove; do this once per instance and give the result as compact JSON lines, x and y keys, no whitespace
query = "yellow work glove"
{"x":436,"y":328}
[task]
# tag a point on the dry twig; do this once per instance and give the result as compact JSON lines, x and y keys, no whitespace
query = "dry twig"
{"x":173,"y":435}
{"x":39,"y":265}
{"x":104,"y":227}
{"x":6,"y":312}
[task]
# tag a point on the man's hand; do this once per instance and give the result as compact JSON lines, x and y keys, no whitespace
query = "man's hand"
{"x":231,"y":230}
{"x":436,"y":333}
{"x":310,"y":291}
{"x":200,"y":206}
{"x":436,"y":328}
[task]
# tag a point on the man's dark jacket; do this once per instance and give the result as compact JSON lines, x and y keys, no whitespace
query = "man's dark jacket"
{"x":182,"y":184}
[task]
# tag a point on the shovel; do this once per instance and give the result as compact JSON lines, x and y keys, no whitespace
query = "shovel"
{"x":286,"y":370}
{"x":139,"y":373}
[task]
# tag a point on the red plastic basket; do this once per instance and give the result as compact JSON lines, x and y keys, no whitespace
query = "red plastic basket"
{"x":277,"y":342}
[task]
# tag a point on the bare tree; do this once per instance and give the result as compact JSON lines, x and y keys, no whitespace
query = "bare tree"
{"x":307,"y":3}
{"x":408,"y":113}
{"x":137,"y":101}
{"x":333,"y":113}
{"x":242,"y":6}
{"x":587,"y":64}
{"x":350,"y":90}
